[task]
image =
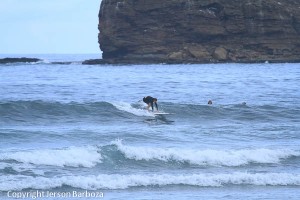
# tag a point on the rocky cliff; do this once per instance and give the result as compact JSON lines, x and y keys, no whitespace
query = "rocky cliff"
{"x":199,"y":31}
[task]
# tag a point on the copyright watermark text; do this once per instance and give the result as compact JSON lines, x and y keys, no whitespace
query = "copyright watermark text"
{"x":36,"y":194}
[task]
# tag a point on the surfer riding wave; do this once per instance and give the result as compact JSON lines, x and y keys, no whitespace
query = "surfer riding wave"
{"x":150,"y":101}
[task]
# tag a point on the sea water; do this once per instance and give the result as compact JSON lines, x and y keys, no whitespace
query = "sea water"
{"x":77,"y":131}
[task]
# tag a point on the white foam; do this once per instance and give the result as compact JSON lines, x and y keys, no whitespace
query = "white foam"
{"x":206,"y":157}
{"x":117,"y":181}
{"x":72,"y":156}
{"x":21,"y":167}
{"x":128,"y":108}
{"x":3,"y":165}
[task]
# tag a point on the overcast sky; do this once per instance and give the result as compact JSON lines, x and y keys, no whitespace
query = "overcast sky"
{"x":49,"y":26}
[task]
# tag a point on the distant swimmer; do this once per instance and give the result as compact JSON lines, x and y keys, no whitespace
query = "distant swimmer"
{"x":210,"y":102}
{"x":149,"y":101}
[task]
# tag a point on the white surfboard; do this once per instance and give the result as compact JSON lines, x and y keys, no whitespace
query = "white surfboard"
{"x":162,"y":113}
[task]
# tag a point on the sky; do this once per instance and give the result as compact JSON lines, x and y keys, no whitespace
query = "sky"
{"x":49,"y":26}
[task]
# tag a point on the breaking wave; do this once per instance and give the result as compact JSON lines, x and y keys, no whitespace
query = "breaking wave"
{"x":28,"y":110}
{"x":72,"y":156}
{"x":116,"y":153}
{"x":116,"y":181}
{"x":90,"y":156}
{"x":206,"y":157}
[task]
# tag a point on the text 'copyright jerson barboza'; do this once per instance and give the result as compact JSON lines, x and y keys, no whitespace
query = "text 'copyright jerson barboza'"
{"x":36,"y":194}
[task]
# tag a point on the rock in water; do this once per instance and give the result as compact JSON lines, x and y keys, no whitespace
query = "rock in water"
{"x":18,"y":60}
{"x":198,"y":31}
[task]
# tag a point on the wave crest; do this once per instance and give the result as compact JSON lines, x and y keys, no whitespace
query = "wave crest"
{"x":72,"y":156}
{"x":206,"y":157}
{"x":116,"y":181}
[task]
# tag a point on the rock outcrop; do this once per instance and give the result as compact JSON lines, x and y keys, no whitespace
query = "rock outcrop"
{"x":18,"y":60}
{"x":199,"y":31}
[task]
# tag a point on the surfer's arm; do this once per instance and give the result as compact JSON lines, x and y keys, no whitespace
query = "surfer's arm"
{"x":156,"y":106}
{"x":152,"y":106}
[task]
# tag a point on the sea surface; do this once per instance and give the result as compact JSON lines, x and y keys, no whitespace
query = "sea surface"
{"x":71,"y":128}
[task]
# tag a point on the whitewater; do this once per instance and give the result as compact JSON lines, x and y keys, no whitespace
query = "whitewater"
{"x":67,"y":127}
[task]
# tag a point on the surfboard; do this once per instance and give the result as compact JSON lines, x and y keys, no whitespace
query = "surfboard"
{"x":162,"y":113}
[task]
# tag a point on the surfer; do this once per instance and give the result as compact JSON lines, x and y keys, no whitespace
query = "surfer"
{"x":149,"y":101}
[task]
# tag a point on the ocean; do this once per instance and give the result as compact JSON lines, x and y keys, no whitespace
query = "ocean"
{"x":73,"y":131}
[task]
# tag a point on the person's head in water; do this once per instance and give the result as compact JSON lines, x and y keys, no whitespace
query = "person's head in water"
{"x":209,"y":102}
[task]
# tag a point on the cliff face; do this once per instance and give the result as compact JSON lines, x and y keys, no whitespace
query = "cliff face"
{"x":197,"y":31}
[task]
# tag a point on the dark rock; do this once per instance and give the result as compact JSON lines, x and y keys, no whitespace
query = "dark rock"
{"x":18,"y":60}
{"x":198,"y":52}
{"x":194,"y":31}
{"x":61,"y":63}
{"x":94,"y":62}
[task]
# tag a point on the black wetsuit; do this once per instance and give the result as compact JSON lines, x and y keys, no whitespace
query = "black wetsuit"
{"x":150,"y":100}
